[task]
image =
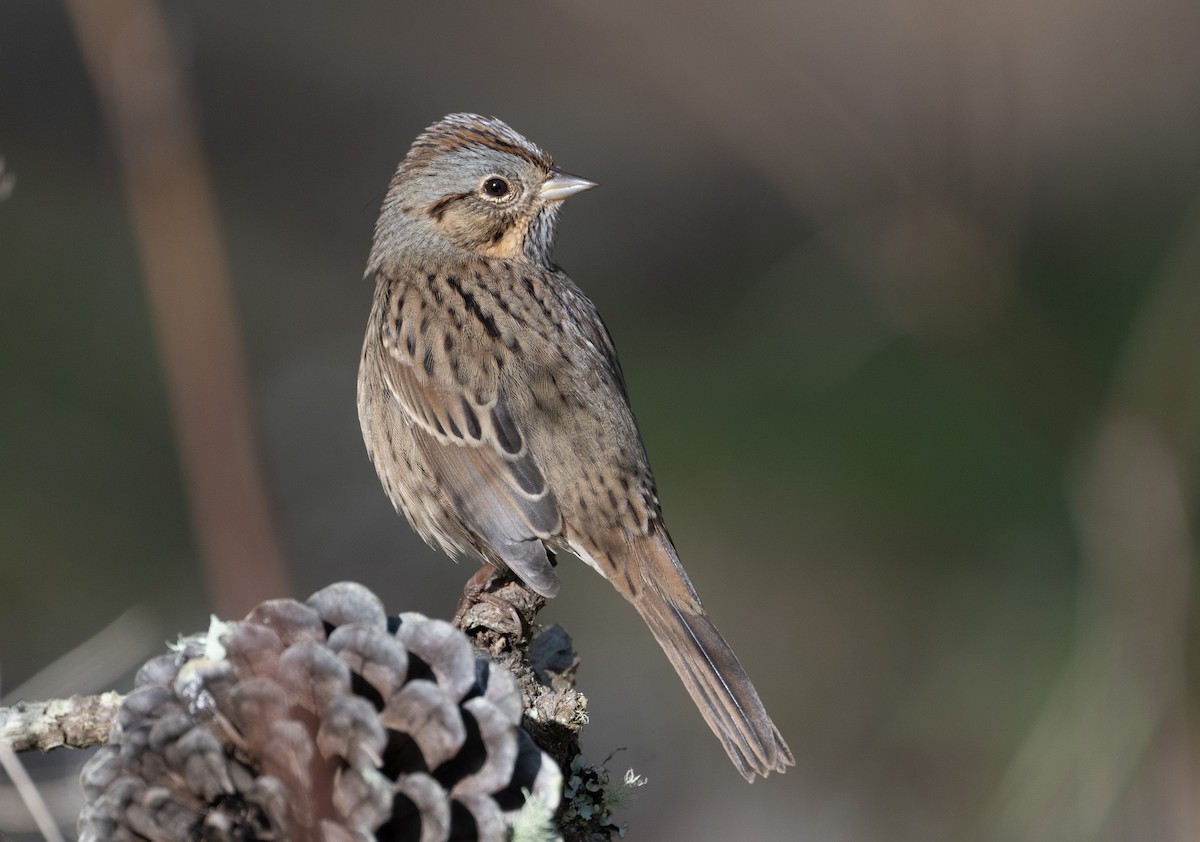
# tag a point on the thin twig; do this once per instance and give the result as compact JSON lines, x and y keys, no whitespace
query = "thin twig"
{"x":61,"y":793}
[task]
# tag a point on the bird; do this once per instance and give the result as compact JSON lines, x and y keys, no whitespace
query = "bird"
{"x":495,"y":411}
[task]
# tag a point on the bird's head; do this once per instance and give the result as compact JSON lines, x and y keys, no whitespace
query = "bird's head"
{"x":472,"y":183}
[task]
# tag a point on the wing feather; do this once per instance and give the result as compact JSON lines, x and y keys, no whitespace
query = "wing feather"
{"x":450,"y":390}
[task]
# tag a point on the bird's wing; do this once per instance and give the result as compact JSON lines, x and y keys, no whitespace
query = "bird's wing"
{"x":445,"y":378}
{"x":586,"y":319}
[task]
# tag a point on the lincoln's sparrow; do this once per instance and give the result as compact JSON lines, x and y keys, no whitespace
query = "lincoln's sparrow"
{"x":494,"y":408}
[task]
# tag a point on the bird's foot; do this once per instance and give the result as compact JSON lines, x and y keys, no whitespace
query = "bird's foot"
{"x":479,"y":593}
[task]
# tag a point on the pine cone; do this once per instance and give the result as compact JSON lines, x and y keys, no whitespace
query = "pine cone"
{"x":318,"y":721}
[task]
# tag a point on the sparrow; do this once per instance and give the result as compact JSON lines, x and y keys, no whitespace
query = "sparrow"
{"x":495,"y":411}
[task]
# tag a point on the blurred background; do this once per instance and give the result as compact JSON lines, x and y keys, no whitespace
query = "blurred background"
{"x":908,"y":299}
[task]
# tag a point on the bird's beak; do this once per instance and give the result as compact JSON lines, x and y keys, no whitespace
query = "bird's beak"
{"x":560,"y":185}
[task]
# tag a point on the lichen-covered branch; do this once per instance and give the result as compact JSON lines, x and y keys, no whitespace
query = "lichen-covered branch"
{"x":498,"y":614}
{"x":77,"y":722}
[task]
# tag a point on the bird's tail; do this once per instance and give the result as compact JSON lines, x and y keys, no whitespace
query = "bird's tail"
{"x":710,"y":671}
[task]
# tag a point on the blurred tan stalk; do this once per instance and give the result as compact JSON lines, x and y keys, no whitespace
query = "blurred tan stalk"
{"x":1116,"y":741}
{"x":129,"y":58}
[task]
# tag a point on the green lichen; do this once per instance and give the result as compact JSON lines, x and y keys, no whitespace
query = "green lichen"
{"x":591,"y":797}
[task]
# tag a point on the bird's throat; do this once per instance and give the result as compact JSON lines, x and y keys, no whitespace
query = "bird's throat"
{"x":509,"y":244}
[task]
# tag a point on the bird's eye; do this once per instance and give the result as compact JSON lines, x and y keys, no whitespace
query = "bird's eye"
{"x":496,"y":187}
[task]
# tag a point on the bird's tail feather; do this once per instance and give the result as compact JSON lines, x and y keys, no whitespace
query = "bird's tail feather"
{"x":710,"y":671}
